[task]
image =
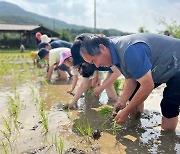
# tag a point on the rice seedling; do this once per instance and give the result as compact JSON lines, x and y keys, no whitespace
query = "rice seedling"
{"x":17,"y":98}
{"x":14,"y":110}
{"x":45,"y":82}
{"x":60,"y":146}
{"x":80,"y":128}
{"x":114,"y":127}
{"x":14,"y":87}
{"x":54,"y":140}
{"x":26,"y":68}
{"x":69,"y":114}
{"x":36,"y":100}
{"x":7,"y":137}
{"x":118,"y":85}
{"x":105,"y":111}
{"x":122,"y":84}
{"x":7,"y":133}
{"x":20,"y":77}
{"x":88,"y":129}
{"x":4,"y":147}
{"x":110,"y":124}
{"x":7,"y":125}
{"x":32,"y":91}
{"x":85,"y":129}
{"x":44,"y":117}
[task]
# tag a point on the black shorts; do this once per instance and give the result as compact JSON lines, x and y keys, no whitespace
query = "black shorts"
{"x":171,"y":96}
{"x":63,"y":68}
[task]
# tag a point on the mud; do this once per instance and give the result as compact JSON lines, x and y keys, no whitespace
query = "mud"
{"x":135,"y":136}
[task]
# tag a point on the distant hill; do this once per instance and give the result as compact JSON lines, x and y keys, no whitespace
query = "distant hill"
{"x":13,"y":14}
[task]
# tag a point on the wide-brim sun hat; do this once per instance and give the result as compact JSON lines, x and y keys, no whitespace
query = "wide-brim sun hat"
{"x":45,"y":39}
{"x":64,"y":55}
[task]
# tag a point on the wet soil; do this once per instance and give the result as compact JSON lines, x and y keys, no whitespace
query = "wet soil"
{"x":135,"y":136}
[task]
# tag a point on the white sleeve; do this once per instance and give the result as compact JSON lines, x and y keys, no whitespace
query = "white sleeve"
{"x":52,"y":59}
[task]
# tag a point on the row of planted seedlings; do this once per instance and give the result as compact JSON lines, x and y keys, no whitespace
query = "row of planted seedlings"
{"x":14,"y":65}
{"x":86,"y":130}
{"x":83,"y":127}
{"x":17,"y":65}
{"x":53,"y":141}
{"x":18,"y":68}
{"x":10,"y":125}
{"x":89,"y":133}
{"x":10,"y":122}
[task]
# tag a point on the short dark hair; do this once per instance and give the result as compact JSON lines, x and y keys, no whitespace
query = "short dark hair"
{"x":42,"y":53}
{"x":42,"y":45}
{"x":75,"y":51}
{"x":90,"y":45}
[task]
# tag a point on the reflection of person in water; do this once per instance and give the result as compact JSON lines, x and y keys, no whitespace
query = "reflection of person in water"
{"x":167,"y":142}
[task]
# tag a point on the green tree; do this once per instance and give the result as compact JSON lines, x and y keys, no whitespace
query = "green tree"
{"x":105,"y":32}
{"x":65,"y":35}
{"x":142,"y":30}
{"x":173,"y":27}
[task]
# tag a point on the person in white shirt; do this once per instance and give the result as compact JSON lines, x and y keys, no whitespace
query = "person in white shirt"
{"x":52,"y":56}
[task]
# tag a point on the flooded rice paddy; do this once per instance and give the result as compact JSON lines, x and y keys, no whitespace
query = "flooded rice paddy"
{"x":33,"y":120}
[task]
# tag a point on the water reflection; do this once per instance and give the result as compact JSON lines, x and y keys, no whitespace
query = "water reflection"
{"x":147,"y":131}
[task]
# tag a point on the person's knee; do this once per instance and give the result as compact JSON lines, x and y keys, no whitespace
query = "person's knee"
{"x":62,"y":75}
{"x":169,"y":124}
{"x":170,"y":112}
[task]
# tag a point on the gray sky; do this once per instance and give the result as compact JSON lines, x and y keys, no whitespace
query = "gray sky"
{"x":125,"y":15}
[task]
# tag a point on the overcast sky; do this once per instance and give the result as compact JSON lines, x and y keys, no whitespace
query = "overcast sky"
{"x":125,"y":15}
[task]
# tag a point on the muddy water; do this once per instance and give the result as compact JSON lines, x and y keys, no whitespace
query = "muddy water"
{"x":136,"y":136}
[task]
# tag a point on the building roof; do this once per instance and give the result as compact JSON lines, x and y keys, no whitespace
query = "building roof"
{"x":26,"y":28}
{"x":13,"y":27}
